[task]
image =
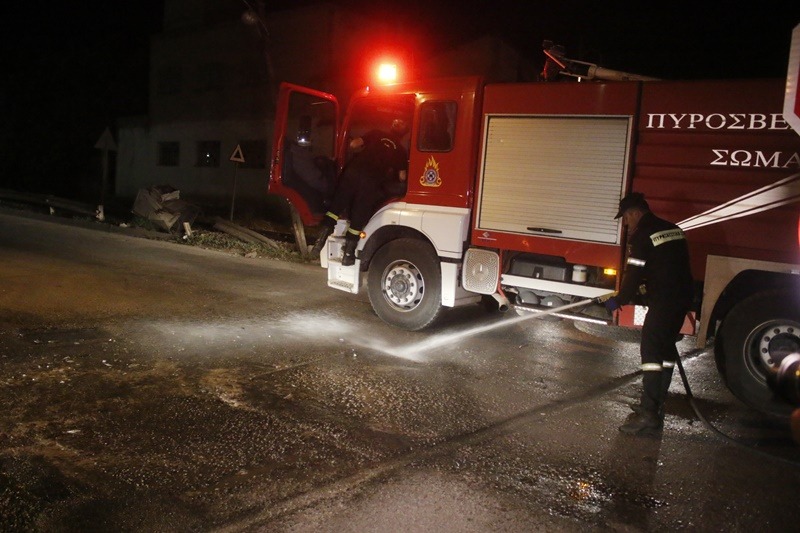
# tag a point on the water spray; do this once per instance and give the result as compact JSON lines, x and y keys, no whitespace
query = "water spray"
{"x":414,"y":351}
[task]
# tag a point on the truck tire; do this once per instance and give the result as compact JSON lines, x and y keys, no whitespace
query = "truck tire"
{"x":404,"y":284}
{"x":756,"y":335}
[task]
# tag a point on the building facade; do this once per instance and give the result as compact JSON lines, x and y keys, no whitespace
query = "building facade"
{"x":214,"y":72}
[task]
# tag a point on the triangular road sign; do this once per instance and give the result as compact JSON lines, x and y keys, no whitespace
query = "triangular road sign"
{"x":106,"y":142}
{"x":237,"y":156}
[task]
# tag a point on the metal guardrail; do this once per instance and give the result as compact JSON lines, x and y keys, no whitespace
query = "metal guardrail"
{"x":51,"y":201}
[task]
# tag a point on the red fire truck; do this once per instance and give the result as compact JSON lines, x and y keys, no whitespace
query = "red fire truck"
{"x":512,"y":191}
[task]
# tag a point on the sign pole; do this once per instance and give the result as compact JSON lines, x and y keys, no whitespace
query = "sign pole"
{"x":233,"y":196}
{"x":104,"y":143}
{"x":237,"y":157}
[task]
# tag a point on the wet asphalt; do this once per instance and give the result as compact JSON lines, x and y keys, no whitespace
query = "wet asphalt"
{"x":154,"y":386}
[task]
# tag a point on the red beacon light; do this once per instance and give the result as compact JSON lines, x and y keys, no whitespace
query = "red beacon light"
{"x":387,"y":73}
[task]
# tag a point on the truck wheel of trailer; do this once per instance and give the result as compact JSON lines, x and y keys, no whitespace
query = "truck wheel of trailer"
{"x":404,"y":284}
{"x":756,"y":335}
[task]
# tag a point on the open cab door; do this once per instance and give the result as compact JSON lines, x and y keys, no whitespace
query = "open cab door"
{"x":303,"y":168}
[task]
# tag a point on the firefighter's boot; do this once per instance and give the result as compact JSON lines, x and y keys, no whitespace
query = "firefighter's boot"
{"x":666,"y":380}
{"x":328,"y":224}
{"x":349,"y":249}
{"x":649,"y":420}
{"x":643,"y":424}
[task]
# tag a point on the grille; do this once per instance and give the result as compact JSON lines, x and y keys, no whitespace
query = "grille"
{"x":481,"y":271}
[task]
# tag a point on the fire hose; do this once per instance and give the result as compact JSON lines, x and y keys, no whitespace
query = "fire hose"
{"x":787,"y":382}
{"x":601,"y":299}
{"x":710,"y":426}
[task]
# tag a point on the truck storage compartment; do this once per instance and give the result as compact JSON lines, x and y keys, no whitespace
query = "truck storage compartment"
{"x":540,"y":267}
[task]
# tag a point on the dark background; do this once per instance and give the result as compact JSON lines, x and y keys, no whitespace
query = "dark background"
{"x":70,"y":69}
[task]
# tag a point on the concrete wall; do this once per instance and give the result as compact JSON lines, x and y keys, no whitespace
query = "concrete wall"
{"x":137,"y":160}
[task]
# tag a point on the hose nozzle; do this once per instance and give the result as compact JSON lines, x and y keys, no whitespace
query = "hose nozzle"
{"x":602,"y":299}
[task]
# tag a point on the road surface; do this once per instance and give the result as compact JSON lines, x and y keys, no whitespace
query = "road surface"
{"x":153,"y":386}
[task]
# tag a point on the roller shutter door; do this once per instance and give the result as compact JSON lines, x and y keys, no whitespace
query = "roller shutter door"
{"x":558,"y":177}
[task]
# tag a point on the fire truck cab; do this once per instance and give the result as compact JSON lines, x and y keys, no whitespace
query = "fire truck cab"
{"x":432,"y":217}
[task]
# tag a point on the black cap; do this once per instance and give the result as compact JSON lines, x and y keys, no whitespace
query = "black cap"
{"x":634,"y":199}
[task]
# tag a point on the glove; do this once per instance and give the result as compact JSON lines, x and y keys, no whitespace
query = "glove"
{"x":602,"y":299}
{"x":611,"y":304}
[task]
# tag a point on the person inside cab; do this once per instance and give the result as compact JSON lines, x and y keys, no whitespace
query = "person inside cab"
{"x":376,"y":171}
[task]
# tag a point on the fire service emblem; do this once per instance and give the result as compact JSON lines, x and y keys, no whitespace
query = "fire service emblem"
{"x":430,"y":174}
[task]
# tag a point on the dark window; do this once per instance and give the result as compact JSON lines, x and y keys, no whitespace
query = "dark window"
{"x":436,"y":126}
{"x":208,"y":154}
{"x":168,"y":154}
{"x":255,"y":153}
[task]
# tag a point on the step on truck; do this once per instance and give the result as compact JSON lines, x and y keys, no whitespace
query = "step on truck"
{"x":512,"y":191}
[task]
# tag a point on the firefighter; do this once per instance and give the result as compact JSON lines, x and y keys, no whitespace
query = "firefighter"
{"x":396,"y":133}
{"x":376,"y":172}
{"x":657,"y":271}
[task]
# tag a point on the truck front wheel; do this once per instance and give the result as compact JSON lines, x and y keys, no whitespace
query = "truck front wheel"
{"x":756,"y":335}
{"x":404,"y":284}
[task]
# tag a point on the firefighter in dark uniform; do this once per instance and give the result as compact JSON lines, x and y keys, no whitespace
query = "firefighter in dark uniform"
{"x":375,"y":173}
{"x":657,"y":271}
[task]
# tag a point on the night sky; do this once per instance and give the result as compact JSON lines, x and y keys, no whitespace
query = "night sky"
{"x":73,"y":68}
{"x":677,"y":40}
{"x":70,"y":69}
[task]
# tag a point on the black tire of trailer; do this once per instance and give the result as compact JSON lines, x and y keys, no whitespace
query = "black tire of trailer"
{"x":740,"y":332}
{"x":404,"y":284}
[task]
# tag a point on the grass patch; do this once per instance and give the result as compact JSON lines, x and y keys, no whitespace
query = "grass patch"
{"x":214,"y":240}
